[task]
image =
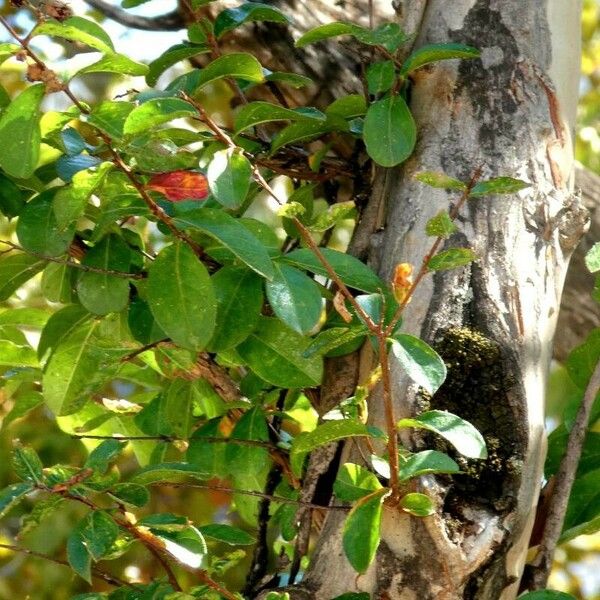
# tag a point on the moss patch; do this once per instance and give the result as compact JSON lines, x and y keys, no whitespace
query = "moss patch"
{"x":476,"y":390}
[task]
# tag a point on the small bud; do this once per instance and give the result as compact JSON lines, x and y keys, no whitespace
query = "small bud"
{"x":402,"y":281}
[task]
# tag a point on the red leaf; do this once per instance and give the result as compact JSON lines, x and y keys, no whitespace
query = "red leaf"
{"x":180,"y":185}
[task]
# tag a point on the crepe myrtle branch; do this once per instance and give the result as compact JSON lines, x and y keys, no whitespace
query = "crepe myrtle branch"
{"x":172,"y":21}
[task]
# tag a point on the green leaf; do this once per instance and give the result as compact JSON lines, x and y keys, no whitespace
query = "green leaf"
{"x":187,"y":546}
{"x":330,"y":431}
{"x":72,"y":370}
{"x":27,"y":464}
{"x":275,"y":353}
{"x":333,"y":338}
{"x":11,"y":198}
{"x":99,"y":532}
{"x":428,"y":461}
{"x":131,"y":494}
{"x":257,"y":113}
{"x":499,"y":185}
{"x":154,"y":112}
{"x":13,"y":494}
{"x":582,"y":360}
{"x":389,"y":131}
{"x":77,"y":555}
{"x":347,"y":107}
{"x":434,"y":53}
{"x":227,"y":534}
{"x":167,"y":472}
{"x":229,"y":175}
{"x":239,"y":303}
{"x":230,"y":18}
{"x":292,"y":79}
{"x":181,"y":297}
{"x":15,"y":270}
{"x":23,"y":403}
{"x":237,"y":65}
{"x":451,"y":259}
{"x":109,"y":117}
{"x":295,"y":298}
{"x":417,"y":504}
{"x":116,"y":63}
{"x":353,"y":596}
{"x":249,"y":460}
{"x":361,"y":534}
{"x":460,"y":433}
{"x":232,"y":234}
{"x":207,"y":456}
{"x":349,"y":269}
{"x":17,"y":355}
{"x":440,"y":180}
{"x":299,"y":131}
{"x":59,"y":326}
{"x":324,"y":32}
{"x":78,"y":29}
{"x":420,"y":361}
{"x":546,"y":595}
{"x":101,"y":293}
{"x":441,"y":225}
{"x":38,"y":230}
{"x":354,"y":482}
{"x":43,"y":509}
{"x":20,"y":131}
{"x":592,"y":258}
{"x":380,"y":76}
{"x":104,"y":454}
{"x":172,"y":56}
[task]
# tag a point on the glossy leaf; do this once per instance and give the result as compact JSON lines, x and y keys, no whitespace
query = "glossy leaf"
{"x":295,"y":298}
{"x":451,"y":259}
{"x":427,"y":461}
{"x":440,"y":180}
{"x":10,"y":496}
{"x":167,"y":472}
{"x":226,"y":534}
{"x":249,"y":460}
{"x":99,"y":532}
{"x":239,"y":302}
{"x":171,"y":57}
{"x":131,"y":494}
{"x":180,"y":185}
{"x":102,"y":293}
{"x":354,"y":482}
{"x":232,"y":234}
{"x":361,"y":534}
{"x":229,"y":176}
{"x":77,"y":29}
{"x":109,"y":117}
{"x":257,"y":113}
{"x":27,"y":464}
{"x":155,"y":112}
{"x":460,"y":433}
{"x":441,"y":225}
{"x":298,"y":132}
{"x":77,"y":555}
{"x":420,"y":361}
{"x":15,"y":270}
{"x":380,"y":76}
{"x":17,"y":355}
{"x":417,"y":504}
{"x":546,"y":595}
{"x":499,"y":185}
{"x":116,"y":63}
{"x":237,"y":65}
{"x":230,"y":18}
{"x":20,"y":131}
{"x":349,"y":269}
{"x":104,"y":454}
{"x":276,"y":354}
{"x":330,"y":339}
{"x":327,"y":31}
{"x":389,"y":131}
{"x":181,"y":297}
{"x":434,"y":53}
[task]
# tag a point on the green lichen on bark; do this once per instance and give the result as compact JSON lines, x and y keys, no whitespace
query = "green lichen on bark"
{"x":476,"y":389}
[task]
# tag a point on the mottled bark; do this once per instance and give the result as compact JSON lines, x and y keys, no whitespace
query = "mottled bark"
{"x":493,"y":321}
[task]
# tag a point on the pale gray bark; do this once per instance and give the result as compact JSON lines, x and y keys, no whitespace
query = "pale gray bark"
{"x":502,"y":113}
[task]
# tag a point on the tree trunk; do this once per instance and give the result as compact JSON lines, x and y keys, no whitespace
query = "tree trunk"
{"x":509,"y":113}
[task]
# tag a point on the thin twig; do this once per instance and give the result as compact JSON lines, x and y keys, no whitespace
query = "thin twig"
{"x":69,"y":263}
{"x":255,"y":494}
{"x":453,"y":213}
{"x":98,"y":573}
{"x":172,"y":21}
{"x":143,"y":349}
{"x":538,"y":572}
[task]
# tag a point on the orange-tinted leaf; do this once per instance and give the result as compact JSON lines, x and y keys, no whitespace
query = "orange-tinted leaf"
{"x":180,"y":185}
{"x":402,"y":281}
